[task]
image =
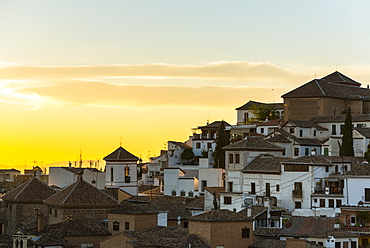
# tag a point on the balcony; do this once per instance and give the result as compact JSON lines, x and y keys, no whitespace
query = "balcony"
{"x":297,"y":193}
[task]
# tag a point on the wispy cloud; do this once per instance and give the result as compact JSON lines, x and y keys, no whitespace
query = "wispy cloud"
{"x":239,"y":70}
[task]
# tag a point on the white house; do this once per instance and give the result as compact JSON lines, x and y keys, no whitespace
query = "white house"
{"x":63,"y":176}
{"x":121,"y":171}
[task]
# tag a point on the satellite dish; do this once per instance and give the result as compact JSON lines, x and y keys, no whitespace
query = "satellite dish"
{"x":248,"y":201}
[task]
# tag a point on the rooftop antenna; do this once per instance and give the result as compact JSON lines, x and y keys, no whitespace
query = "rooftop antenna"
{"x":120,"y":141}
{"x":81,"y":158}
{"x":208,"y":121}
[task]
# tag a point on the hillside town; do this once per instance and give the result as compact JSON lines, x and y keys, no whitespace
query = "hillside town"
{"x":290,"y":174}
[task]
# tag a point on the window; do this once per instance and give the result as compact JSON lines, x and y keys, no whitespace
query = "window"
{"x":245,"y":233}
{"x":111,"y":174}
{"x":262,"y":130}
{"x":115,"y":226}
{"x":326,"y":151}
{"x":339,"y":203}
{"x":186,"y":224}
{"x":87,"y":245}
{"x":197,"y":145}
{"x":268,"y":189}
{"x":326,"y":168}
{"x":191,"y":194}
{"x":314,"y":132}
{"x":227,"y":200}
{"x":127,"y":174}
{"x":173,"y":193}
{"x":182,"y":193}
{"x":230,"y":186}
{"x":55,"y":213}
{"x":307,"y":151}
{"x":296,"y":151}
{"x":333,"y":129}
{"x":127,"y":225}
{"x":298,"y":204}
{"x":209,"y":145}
{"x":231,"y":158}
{"x":291,"y":130}
{"x":341,"y":129}
{"x":277,"y":188}
{"x":203,"y":184}
{"x":367,"y":194}
{"x":331,"y":203}
{"x":10,"y":207}
{"x":237,"y":158}
{"x":253,"y":188}
{"x":322,"y":203}
{"x":337,"y":245}
{"x":300,"y":133}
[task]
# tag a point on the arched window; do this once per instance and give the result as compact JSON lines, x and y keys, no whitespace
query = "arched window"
{"x":127,"y":174}
{"x":111,"y":174}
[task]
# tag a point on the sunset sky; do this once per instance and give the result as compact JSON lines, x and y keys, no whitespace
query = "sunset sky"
{"x":78,"y":75}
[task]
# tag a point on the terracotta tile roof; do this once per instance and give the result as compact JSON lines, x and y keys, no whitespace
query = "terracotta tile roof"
{"x":130,"y":207}
{"x":335,"y":233}
{"x":330,"y":86}
{"x":250,"y":104}
{"x":214,"y":125}
{"x":306,"y":124}
{"x":81,"y":193}
{"x":265,"y":163}
{"x":32,"y":190}
{"x":149,"y":188}
{"x":266,"y":231}
{"x":309,"y":142}
{"x":271,"y":243}
{"x":256,"y":211}
{"x":195,"y":202}
{"x":363,"y":131}
{"x":83,"y":227}
{"x":340,"y":118}
{"x":120,"y":154}
{"x":174,"y":209}
{"x":180,"y":144}
{"x":275,"y":122}
{"x":360,"y":169}
{"x":216,"y":190}
{"x":305,"y":226}
{"x":53,"y":237}
{"x":219,"y":215}
{"x":279,"y":138}
{"x":170,"y":237}
{"x":253,"y":143}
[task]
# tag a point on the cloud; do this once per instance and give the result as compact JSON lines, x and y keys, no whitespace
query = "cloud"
{"x":231,"y":70}
{"x":100,"y":93}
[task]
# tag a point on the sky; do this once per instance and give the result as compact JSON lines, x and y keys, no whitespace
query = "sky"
{"x":79,"y":77}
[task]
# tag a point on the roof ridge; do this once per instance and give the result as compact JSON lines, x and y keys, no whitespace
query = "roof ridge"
{"x":28,"y":183}
{"x":320,"y":87}
{"x":69,"y":194}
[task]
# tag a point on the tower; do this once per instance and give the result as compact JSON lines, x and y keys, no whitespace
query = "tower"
{"x":121,"y":171}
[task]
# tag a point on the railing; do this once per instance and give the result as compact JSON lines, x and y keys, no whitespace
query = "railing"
{"x":297,"y":193}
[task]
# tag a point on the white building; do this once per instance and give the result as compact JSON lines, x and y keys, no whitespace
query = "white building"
{"x":63,"y":176}
{"x":121,"y":171}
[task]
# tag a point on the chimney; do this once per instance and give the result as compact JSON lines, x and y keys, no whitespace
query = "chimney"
{"x":249,"y":212}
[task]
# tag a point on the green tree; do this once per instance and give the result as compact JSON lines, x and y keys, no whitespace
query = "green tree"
{"x":264,"y":112}
{"x":187,"y":154}
{"x":367,"y":153}
{"x":347,"y":138}
{"x":222,"y":140}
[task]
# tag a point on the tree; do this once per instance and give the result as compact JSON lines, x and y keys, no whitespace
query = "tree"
{"x":264,"y":112}
{"x":367,"y":153}
{"x":347,"y":138}
{"x":187,"y":154}
{"x":222,"y":140}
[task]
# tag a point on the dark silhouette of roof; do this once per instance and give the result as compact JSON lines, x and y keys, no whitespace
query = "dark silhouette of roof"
{"x":180,"y":144}
{"x":32,"y":190}
{"x":219,"y":215}
{"x":335,"y":85}
{"x":81,"y":193}
{"x":249,"y":105}
{"x":120,"y":154}
{"x":214,"y":125}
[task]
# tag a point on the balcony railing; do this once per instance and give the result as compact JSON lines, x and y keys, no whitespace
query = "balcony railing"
{"x":297,"y":193}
